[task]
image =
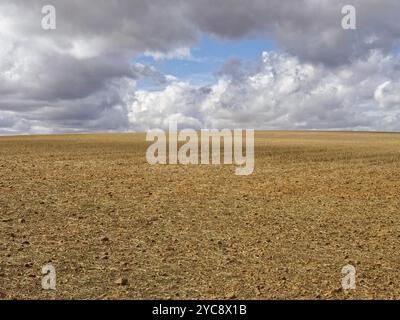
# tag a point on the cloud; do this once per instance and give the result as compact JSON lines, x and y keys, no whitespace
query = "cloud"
{"x":281,"y":92}
{"x":45,"y":87}
{"x":388,"y":95}
{"x":81,"y":77}
{"x":308,"y":29}
{"x":178,"y":101}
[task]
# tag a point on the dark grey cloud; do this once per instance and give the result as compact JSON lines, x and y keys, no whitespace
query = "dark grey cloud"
{"x":310,"y":29}
{"x":111,"y":25}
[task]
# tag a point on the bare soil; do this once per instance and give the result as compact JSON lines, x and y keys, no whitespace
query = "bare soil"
{"x":115,"y":227}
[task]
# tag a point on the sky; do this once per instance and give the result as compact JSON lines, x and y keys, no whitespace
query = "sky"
{"x":199,"y":64}
{"x":122,"y":65}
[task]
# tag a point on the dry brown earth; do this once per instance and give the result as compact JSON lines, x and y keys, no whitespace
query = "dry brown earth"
{"x":92,"y":206}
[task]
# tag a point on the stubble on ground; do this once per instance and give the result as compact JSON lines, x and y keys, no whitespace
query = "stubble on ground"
{"x":115,"y":227}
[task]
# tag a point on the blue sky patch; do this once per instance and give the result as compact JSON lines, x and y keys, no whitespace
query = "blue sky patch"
{"x":206,"y":59}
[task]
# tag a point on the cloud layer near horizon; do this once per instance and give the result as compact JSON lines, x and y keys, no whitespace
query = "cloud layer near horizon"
{"x":279,"y":92}
{"x":81,"y":77}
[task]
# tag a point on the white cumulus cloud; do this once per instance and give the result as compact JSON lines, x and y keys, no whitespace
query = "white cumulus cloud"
{"x":280,"y":92}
